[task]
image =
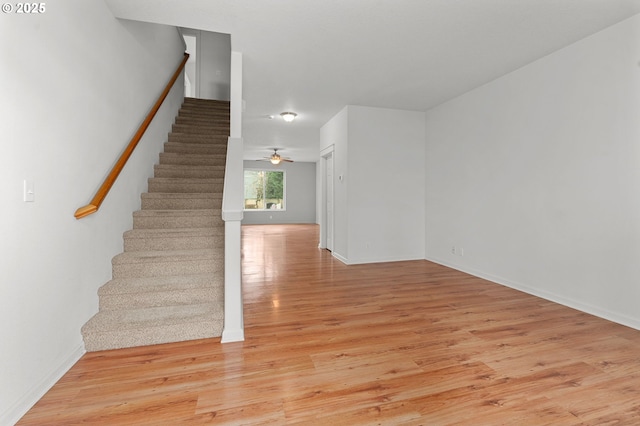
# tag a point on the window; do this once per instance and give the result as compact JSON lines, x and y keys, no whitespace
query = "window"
{"x":264,"y":190}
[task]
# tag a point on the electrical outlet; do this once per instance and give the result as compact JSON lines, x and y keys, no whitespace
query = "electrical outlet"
{"x":453,"y":249}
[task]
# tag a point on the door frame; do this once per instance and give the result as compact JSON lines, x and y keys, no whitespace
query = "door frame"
{"x":195,"y":57}
{"x":327,"y":189}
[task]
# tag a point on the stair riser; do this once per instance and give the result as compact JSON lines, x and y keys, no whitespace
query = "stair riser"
{"x":201,"y":130}
{"x":207,"y":120}
{"x":95,"y":341}
{"x":155,"y":186}
{"x":168,"y":283}
{"x":190,"y":138}
{"x":202,"y":160}
{"x":199,"y":149}
{"x":151,"y":222}
{"x":203,"y":120}
{"x":203,"y":104}
{"x":207,"y":109}
{"x":189,"y":172}
{"x":181,"y":204}
{"x":160,"y":298}
{"x":173,"y":243}
{"x":161,"y":269}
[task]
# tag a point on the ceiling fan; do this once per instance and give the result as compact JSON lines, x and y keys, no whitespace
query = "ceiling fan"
{"x":276,"y":158}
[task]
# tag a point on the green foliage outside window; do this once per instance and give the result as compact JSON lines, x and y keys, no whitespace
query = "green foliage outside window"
{"x":263,"y":190}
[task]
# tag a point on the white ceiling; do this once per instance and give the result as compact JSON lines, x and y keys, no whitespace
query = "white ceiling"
{"x":316,"y":56}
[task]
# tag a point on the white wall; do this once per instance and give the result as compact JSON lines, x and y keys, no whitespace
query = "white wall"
{"x":300,"y":202}
{"x":75,"y":85}
{"x":212,"y":68}
{"x":336,"y":133}
{"x":190,"y":81}
{"x":536,"y":176}
{"x":381,"y":193}
{"x":215,"y":68}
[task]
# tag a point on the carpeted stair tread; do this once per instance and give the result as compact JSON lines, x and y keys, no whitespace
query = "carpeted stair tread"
{"x":187,"y":107}
{"x":177,"y":213}
{"x":204,"y":121}
{"x":181,"y":201}
{"x":187,"y":171}
{"x":167,"y":283}
{"x":185,"y":184}
{"x":204,"y":107}
{"x":203,"y":218}
{"x":211,"y":181}
{"x":182,"y":195}
{"x":162,"y":256}
{"x":194,"y":212}
{"x":205,"y":102}
{"x":195,"y":118}
{"x":134,"y":293}
{"x":114,"y":329}
{"x":173,"y":239}
{"x":214,"y":112}
{"x":195,"y":148}
{"x":145,"y":317}
{"x":178,"y":297}
{"x":140,"y":264}
{"x":176,"y":232}
{"x":201,"y":139}
{"x":181,"y":167}
{"x":195,"y":110}
{"x":192,"y":159}
{"x":200,"y":130}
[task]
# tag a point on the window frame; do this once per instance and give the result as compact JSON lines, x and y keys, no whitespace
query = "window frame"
{"x":284,"y":189}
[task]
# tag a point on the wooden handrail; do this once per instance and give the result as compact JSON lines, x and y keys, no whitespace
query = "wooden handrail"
{"x":102,"y":192}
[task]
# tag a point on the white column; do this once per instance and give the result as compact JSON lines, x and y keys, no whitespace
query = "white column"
{"x":233,"y":211}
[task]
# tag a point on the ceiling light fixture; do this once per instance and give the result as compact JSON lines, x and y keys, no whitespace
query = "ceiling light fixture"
{"x":275,"y":158}
{"x":288,"y":116}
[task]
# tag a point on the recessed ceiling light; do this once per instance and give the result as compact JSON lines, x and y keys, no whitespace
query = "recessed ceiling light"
{"x":288,"y":116}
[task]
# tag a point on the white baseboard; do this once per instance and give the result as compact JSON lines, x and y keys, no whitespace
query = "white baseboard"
{"x":229,"y":336}
{"x":28,"y":400}
{"x":362,"y":261}
{"x":340,"y":258}
{"x":544,"y":294}
{"x":406,"y":258}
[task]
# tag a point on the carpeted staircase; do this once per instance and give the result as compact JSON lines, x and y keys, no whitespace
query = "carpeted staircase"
{"x":168,"y":284}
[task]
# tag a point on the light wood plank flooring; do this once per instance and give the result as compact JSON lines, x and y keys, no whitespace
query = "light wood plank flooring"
{"x":403,"y":343}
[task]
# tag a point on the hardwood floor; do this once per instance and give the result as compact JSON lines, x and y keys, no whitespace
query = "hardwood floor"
{"x":403,"y":343}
